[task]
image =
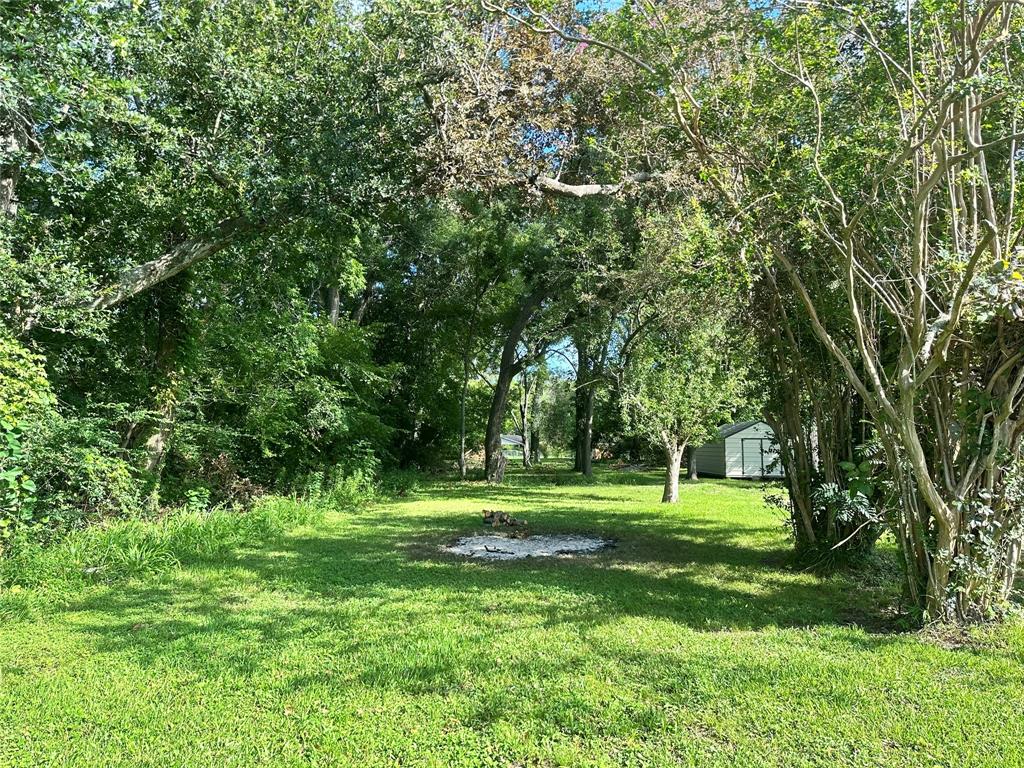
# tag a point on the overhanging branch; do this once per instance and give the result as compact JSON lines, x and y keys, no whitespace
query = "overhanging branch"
{"x":552,"y":186}
{"x":177,"y":259}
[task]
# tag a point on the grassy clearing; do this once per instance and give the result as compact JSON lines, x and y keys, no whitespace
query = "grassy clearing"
{"x":351,"y":641}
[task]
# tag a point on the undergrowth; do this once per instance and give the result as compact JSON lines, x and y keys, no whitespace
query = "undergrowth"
{"x":33,"y":574}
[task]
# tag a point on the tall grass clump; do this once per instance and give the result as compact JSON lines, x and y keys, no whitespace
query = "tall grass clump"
{"x":123,"y":549}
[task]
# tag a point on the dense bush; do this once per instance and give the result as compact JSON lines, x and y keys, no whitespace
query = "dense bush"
{"x":56,"y":472}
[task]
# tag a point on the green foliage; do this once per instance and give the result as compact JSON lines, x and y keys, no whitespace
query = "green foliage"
{"x":686,"y":373}
{"x":81,"y":472}
{"x":17,"y":490}
{"x":278,"y":398}
{"x":24,"y":387}
{"x":679,"y":388}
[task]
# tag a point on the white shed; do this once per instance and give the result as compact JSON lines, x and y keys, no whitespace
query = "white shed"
{"x":512,"y":446}
{"x":744,"y":449}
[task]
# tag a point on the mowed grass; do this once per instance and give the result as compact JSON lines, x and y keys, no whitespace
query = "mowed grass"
{"x":355,"y":642}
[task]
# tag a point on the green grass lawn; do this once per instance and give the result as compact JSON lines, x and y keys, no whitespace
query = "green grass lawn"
{"x":355,"y":642}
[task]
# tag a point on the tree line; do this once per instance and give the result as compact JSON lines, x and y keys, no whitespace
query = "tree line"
{"x":262,"y":246}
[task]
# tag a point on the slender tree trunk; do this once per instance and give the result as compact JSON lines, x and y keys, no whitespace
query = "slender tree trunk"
{"x":13,"y":143}
{"x":524,"y":417}
{"x":673,"y":463}
{"x":579,"y":404}
{"x":587,"y":435}
{"x":535,"y":456}
{"x":462,"y":416}
{"x":508,"y":367}
{"x":364,"y":303}
{"x":525,"y":435}
{"x":584,"y":403}
{"x":589,"y":368}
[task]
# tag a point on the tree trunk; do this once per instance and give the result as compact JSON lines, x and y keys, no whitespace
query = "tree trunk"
{"x":170,"y":329}
{"x":691,"y":463}
{"x":584,"y":401}
{"x":587,"y":435}
{"x":673,"y":463}
{"x":462,"y":416}
{"x":333,"y":304}
{"x":590,"y":367}
{"x":535,"y":456}
{"x":579,"y":403}
{"x":174,"y":261}
{"x":13,"y":143}
{"x":508,"y":367}
{"x":364,"y":303}
{"x":524,"y":418}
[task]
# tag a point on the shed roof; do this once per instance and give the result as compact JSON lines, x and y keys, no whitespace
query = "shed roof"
{"x":728,"y":430}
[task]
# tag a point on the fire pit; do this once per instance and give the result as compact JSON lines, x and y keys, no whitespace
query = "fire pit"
{"x":498,"y":547}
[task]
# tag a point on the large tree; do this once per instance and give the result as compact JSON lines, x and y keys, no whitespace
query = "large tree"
{"x":884,"y":139}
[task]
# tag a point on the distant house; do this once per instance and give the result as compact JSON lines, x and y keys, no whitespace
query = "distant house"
{"x":512,"y":446}
{"x":745,"y":449}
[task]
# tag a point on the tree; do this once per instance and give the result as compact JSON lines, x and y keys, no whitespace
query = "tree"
{"x":679,"y":386}
{"x":682,"y":352}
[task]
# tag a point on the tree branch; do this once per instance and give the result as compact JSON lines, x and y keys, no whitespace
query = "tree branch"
{"x":551,"y":186}
{"x":177,"y":259}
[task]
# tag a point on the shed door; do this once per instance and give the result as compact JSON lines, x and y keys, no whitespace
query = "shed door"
{"x":753,"y":449}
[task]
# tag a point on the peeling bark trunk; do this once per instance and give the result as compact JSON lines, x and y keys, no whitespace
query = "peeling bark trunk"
{"x":691,"y":463}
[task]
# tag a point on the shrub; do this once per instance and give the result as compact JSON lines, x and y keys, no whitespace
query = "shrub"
{"x":56,"y":472}
{"x":17,"y":489}
{"x":81,"y":472}
{"x":24,"y":389}
{"x":24,"y":395}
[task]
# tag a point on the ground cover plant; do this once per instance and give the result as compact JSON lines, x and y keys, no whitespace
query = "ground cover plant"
{"x":351,"y":640}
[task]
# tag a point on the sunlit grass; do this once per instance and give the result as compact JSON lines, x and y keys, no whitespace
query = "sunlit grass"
{"x":355,"y":642}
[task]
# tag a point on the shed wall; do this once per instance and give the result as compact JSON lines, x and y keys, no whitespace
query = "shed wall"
{"x":734,"y":449}
{"x":711,"y":458}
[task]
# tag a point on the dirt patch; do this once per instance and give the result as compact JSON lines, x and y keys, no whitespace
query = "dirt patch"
{"x":497,"y":547}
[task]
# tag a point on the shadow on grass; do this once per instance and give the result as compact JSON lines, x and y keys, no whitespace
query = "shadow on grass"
{"x":374,"y":595}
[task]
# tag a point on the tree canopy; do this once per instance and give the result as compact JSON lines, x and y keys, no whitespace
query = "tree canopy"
{"x":264,"y":246}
